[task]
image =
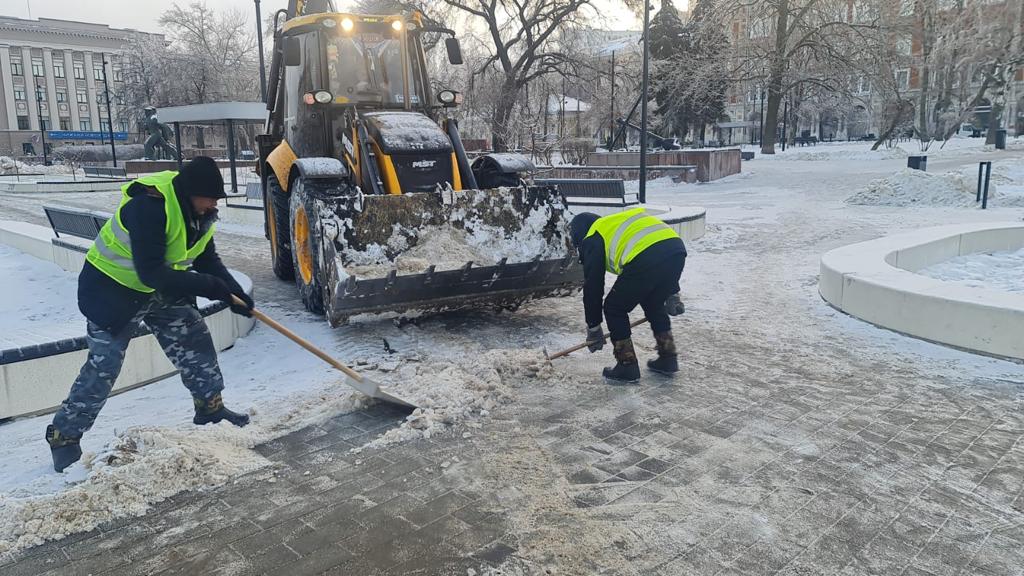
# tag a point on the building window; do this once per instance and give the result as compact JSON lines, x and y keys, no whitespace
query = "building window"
{"x":118,"y":75}
{"x":19,"y":93}
{"x":83,"y":97}
{"x":65,"y":123}
{"x":79,"y":71}
{"x":37,"y":68}
{"x":85,"y":125}
{"x":62,"y":96}
{"x":41,"y":94}
{"x":903,"y":79}
{"x":104,"y":125}
{"x":904,"y":46}
{"x":22,"y":122}
{"x":97,"y":73}
{"x":16,"y":68}
{"x":58,"y":69}
{"x":122,"y":126}
{"x":45,"y":122}
{"x":28,"y":149}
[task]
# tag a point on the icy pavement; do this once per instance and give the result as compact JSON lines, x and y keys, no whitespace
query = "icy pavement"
{"x":999,"y":270}
{"x":39,"y":302}
{"x":796,"y":440}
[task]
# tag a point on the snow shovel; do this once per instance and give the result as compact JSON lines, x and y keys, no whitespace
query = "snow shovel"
{"x":355,"y":379}
{"x":568,"y":351}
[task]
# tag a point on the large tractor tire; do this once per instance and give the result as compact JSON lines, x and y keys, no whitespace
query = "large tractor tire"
{"x":306,"y":235}
{"x":277,"y":212}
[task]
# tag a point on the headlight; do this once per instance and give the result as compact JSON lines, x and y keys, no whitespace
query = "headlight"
{"x":323,"y":97}
{"x":397,"y":25}
{"x":347,"y":24}
{"x":328,"y":23}
{"x":446,"y":96}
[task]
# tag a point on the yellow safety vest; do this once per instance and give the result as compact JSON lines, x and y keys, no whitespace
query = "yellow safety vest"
{"x":627,"y":234}
{"x":111,"y":253}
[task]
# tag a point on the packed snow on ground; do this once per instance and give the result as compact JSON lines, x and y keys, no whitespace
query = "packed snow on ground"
{"x":10,"y":167}
{"x":954,"y":188}
{"x":843,"y":151}
{"x":998,"y":270}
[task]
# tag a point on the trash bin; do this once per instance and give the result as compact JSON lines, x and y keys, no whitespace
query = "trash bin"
{"x":918,"y":163}
{"x":1001,"y":139}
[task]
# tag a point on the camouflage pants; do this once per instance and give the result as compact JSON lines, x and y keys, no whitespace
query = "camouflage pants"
{"x":185,"y":339}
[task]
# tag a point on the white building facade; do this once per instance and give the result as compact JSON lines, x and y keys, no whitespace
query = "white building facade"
{"x":52,"y":74}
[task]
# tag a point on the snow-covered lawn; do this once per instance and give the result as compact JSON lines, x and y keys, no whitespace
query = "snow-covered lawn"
{"x":999,"y":270}
{"x":754,"y":274}
{"x":39,"y":300}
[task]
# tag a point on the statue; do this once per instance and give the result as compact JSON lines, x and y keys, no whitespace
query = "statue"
{"x":157,"y":146}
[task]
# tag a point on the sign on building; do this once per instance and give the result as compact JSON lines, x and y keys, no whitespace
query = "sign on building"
{"x":82,"y":135}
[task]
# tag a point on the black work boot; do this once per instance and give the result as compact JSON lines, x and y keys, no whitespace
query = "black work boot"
{"x":668,"y":361}
{"x":64,"y":449}
{"x":626,"y":369}
{"x":212,"y":411}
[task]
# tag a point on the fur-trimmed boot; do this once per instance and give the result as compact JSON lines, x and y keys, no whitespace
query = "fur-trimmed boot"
{"x":64,"y":449}
{"x":668,"y":361}
{"x":212,"y":411}
{"x":626,"y":369}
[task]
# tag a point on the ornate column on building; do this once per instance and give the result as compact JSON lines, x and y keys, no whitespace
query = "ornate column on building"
{"x":51,"y":89}
{"x":30,"y":89}
{"x":94,"y":111}
{"x":69,"y":75}
{"x":10,"y":112}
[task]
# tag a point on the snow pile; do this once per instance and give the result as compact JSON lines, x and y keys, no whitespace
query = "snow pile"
{"x":998,"y":271}
{"x":10,"y":167}
{"x":459,"y":389}
{"x":914,"y":187}
{"x":957,"y":188}
{"x":445,"y":248}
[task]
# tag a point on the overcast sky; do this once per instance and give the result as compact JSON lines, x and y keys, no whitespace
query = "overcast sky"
{"x":143,"y":14}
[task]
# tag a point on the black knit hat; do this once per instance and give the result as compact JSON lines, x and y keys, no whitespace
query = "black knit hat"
{"x":580,"y":225}
{"x":200,"y":177}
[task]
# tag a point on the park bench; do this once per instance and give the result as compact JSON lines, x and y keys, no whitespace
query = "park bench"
{"x":746,"y":155}
{"x":591,"y":192}
{"x":105,"y":172}
{"x":83,"y":224}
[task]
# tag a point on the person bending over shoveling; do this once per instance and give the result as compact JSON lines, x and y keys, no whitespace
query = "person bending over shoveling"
{"x":148,"y":264}
{"x":648,"y":257}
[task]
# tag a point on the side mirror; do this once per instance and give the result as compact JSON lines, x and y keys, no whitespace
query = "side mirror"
{"x":454,"y":50}
{"x":292,"y":52}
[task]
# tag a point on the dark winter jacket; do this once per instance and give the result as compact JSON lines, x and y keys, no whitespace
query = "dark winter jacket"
{"x":645,"y":263}
{"x":111,"y":305}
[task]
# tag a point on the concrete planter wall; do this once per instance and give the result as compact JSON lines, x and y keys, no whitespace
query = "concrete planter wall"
{"x":874,"y":281}
{"x":712,"y":163}
{"x":36,"y":377}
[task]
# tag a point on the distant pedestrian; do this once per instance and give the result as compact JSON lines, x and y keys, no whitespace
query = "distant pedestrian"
{"x":148,"y":264}
{"x":648,"y":257}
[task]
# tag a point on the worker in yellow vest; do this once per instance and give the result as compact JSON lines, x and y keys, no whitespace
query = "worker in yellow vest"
{"x":648,"y":257}
{"x":147,"y":266}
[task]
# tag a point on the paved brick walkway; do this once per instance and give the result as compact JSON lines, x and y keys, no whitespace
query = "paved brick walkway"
{"x":744,"y":466}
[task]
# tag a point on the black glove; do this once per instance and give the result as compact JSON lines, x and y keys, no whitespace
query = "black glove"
{"x":242,"y":309}
{"x":674,"y":306}
{"x":595,"y":338}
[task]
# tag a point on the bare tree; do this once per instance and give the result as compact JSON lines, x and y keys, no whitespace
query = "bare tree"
{"x":523,"y":45}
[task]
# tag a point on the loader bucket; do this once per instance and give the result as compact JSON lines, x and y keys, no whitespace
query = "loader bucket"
{"x":429,"y":252}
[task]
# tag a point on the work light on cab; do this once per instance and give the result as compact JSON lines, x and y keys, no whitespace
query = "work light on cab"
{"x":323,"y":97}
{"x":449,"y":98}
{"x":347,"y":24}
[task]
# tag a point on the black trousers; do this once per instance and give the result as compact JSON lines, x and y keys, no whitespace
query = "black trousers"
{"x":647,"y":285}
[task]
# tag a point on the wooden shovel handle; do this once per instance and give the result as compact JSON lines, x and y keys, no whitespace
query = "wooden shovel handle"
{"x":301,"y":342}
{"x":568,"y":351}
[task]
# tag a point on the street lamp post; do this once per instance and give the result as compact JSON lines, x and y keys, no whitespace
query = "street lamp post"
{"x":110,"y":119}
{"x":611,"y":122}
{"x":259,"y":39}
{"x":643,"y":103}
{"x":42,"y":128}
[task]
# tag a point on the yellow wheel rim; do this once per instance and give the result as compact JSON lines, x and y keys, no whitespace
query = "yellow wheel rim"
{"x":272,"y":226}
{"x":302,"y":248}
